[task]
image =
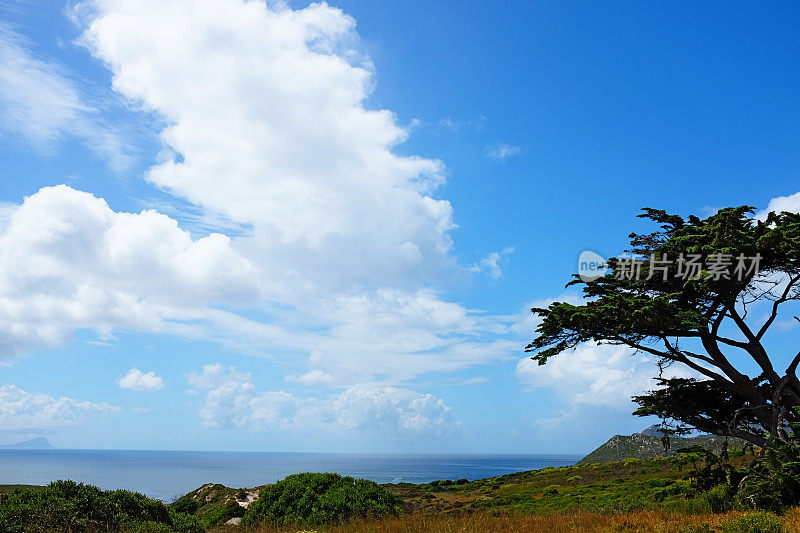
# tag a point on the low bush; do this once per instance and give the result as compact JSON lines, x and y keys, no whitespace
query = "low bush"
{"x":221,"y":513}
{"x":761,"y":522}
{"x":66,"y":506}
{"x":319,"y":499}
{"x":773,"y":481}
{"x":720,"y":498}
{"x":659,"y":482}
{"x":185,"y":505}
{"x":551,"y":490}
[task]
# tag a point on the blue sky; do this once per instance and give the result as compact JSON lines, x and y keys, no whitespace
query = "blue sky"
{"x":282,"y":227}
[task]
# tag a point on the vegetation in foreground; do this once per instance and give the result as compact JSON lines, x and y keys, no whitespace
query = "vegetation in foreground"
{"x":690,"y":493}
{"x":583,"y":522}
{"x":74,"y":507}
{"x":693,"y":493}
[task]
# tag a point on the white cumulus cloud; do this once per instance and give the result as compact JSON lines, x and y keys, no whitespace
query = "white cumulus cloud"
{"x":342,"y":243}
{"x":23,"y":410}
{"x":789,"y":203}
{"x":137,"y":380}
{"x":231,"y":400}
{"x":68,"y":261}
{"x":266,"y":107}
{"x":605,"y":375}
{"x":266,"y":110}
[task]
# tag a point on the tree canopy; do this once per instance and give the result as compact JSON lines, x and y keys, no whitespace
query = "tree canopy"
{"x":684,"y":296}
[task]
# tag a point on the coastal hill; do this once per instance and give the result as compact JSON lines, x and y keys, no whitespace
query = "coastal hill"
{"x":537,"y":500}
{"x":39,"y":443}
{"x":648,"y":445}
{"x":631,"y":495}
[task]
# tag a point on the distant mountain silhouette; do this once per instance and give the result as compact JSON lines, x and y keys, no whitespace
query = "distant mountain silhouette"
{"x":37,"y":443}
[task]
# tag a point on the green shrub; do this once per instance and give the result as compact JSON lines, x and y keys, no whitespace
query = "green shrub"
{"x":184,"y":523}
{"x":574,"y":479}
{"x":68,"y":506}
{"x":773,"y":482}
{"x":138,"y":507}
{"x":720,"y":498}
{"x":681,"y":488}
{"x":150,"y":527}
{"x":186,"y":505}
{"x":551,"y":490}
{"x":659,"y":482}
{"x":221,"y":513}
{"x":319,"y":499}
{"x":754,"y":523}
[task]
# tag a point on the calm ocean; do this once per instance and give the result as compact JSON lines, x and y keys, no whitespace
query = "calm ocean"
{"x":167,"y":474}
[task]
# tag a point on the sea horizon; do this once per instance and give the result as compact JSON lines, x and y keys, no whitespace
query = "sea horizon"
{"x":167,"y":474}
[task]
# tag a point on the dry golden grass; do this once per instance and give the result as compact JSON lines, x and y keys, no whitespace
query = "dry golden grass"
{"x":791,"y":520}
{"x":644,"y":521}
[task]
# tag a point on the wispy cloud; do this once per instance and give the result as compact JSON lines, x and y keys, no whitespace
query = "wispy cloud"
{"x":502,"y":151}
{"x":40,"y":102}
{"x":458,"y":125}
{"x":491,"y":265}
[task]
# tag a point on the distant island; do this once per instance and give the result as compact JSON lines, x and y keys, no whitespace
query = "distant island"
{"x":38,"y":443}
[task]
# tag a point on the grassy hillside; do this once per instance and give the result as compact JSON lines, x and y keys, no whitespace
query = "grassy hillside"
{"x":619,"y":496}
{"x":599,"y":492}
{"x":4,"y":489}
{"x":597,"y":487}
{"x":642,"y":446}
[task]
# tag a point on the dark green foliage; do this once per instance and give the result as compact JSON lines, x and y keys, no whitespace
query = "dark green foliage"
{"x":699,"y":321}
{"x":184,"y":523}
{"x":319,"y":499}
{"x":137,"y":507}
{"x":550,"y":490}
{"x":708,"y":469}
{"x":721,"y":498}
{"x":773,"y":481}
{"x":68,"y":506}
{"x":185,"y":505}
{"x":221,"y":513}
